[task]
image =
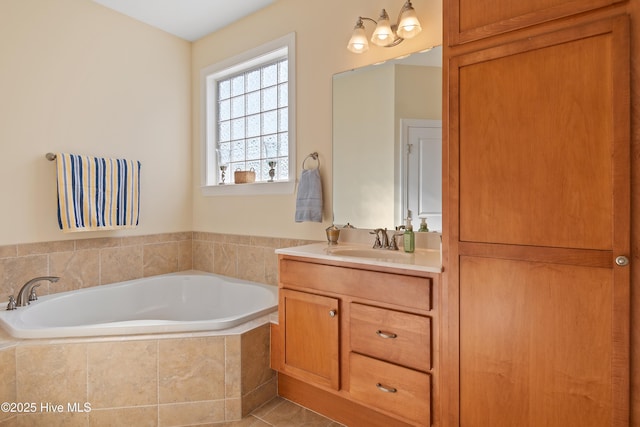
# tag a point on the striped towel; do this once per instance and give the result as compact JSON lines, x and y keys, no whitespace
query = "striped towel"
{"x":97,"y":193}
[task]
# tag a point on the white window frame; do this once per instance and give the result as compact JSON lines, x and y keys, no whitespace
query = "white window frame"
{"x":208,"y":92}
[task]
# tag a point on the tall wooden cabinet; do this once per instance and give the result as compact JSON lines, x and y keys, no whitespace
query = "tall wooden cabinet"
{"x":537,"y":285}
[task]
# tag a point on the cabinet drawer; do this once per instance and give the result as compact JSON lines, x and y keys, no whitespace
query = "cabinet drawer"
{"x":399,"y":289}
{"x":391,"y":388}
{"x":391,"y":335}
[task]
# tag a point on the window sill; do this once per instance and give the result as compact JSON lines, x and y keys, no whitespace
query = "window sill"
{"x":253,"y":189}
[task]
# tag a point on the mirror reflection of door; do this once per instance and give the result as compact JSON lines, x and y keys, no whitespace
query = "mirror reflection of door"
{"x":422,"y":172}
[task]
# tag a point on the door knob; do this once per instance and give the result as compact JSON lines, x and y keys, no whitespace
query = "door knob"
{"x":332,"y":313}
{"x":622,"y":260}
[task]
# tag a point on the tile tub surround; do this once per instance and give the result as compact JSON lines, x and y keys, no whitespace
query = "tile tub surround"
{"x":165,"y":380}
{"x":99,"y":261}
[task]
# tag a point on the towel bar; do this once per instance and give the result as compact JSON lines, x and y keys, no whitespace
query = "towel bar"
{"x":50,"y":156}
{"x":314,"y":156}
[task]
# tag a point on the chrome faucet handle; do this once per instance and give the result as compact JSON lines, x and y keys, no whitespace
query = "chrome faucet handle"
{"x":12,"y":303}
{"x":376,"y":244}
{"x":394,"y":243}
{"x":32,"y":295}
{"x":385,"y":239}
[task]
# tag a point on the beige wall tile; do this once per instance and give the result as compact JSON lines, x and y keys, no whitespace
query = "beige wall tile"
{"x":133,"y":240}
{"x":225,"y":259}
{"x":9,"y":422}
{"x":120,"y":264}
{"x":267,"y":242}
{"x":122,"y":373}
{"x":251,"y":263}
{"x":185,"y":255}
{"x":233,"y":347}
{"x":45,"y":247}
{"x":191,"y":369}
{"x":259,"y":396}
{"x":203,"y":256}
{"x":98,"y":243}
{"x":15,"y":272}
{"x":232,"y":409}
{"x":142,"y":416}
{"x":8,"y":376}
{"x":270,"y":267}
{"x":51,"y":373}
{"x":160,"y":258}
{"x":8,"y":251}
{"x":237,"y":239}
{"x":180,"y":414}
{"x":256,"y":358}
{"x":78,"y":269}
{"x":205,"y":237}
{"x":168,"y":237}
{"x":47,"y":419}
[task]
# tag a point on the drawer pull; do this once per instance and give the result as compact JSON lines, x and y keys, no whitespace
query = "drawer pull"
{"x":383,"y":334}
{"x":386,"y":389}
{"x":332,"y":313}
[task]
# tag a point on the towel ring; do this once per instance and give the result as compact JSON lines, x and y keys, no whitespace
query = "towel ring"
{"x":315,"y":157}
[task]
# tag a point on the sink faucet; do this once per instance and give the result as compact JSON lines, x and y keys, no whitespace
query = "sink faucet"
{"x":382,"y":240}
{"x":28,"y":291}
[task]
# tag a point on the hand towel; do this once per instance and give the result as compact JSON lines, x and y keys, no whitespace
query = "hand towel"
{"x":309,"y":197}
{"x":96,"y":193}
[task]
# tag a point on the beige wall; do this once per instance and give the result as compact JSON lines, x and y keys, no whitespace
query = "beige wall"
{"x":322,"y":31}
{"x":77,"y":77}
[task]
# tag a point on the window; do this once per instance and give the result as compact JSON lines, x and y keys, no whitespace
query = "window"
{"x":248,"y":114}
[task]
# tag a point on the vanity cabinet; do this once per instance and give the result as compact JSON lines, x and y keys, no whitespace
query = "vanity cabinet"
{"x":357,"y":343}
{"x":312,"y":338}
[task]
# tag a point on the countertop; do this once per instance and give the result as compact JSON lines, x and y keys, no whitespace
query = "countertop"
{"x":429,"y":260}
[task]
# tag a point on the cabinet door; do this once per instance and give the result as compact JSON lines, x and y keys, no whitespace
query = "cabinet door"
{"x":470,"y":20}
{"x":539,"y":189}
{"x":311,"y":337}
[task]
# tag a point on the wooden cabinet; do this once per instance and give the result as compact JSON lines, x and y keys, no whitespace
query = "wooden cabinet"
{"x":398,"y":337}
{"x":470,"y":20}
{"x":392,"y":388}
{"x":538,"y":186}
{"x":358,"y":345}
{"x":390,"y":361}
{"x":310,"y":341}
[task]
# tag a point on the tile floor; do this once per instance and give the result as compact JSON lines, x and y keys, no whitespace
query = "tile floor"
{"x":280,"y":412}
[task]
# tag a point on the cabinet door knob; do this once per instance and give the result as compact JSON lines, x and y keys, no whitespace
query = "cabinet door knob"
{"x":332,"y":313}
{"x":383,"y":334}
{"x":386,"y":389}
{"x":622,"y":260}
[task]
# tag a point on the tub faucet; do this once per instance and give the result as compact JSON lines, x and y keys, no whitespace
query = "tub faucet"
{"x":28,"y":291}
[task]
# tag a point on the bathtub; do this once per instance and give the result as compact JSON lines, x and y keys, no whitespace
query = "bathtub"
{"x":177,"y":302}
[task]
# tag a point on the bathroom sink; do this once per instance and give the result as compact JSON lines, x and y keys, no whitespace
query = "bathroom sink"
{"x":378,"y":254}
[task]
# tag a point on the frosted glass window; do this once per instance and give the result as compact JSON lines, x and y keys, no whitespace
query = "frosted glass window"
{"x":253,"y":114}
{"x":248,"y":120}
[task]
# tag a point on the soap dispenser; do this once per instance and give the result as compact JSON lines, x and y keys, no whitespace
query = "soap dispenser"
{"x":423,"y":225}
{"x":409,"y":238}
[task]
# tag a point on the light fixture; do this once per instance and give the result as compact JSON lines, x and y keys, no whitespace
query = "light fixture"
{"x":385,"y":34}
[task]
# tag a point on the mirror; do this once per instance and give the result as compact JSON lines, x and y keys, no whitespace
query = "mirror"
{"x":387,"y":143}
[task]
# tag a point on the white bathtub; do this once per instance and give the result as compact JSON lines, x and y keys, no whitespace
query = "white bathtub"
{"x":179,"y":302}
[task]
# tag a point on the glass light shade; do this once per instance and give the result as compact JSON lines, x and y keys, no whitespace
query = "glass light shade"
{"x":358,"y":42}
{"x":409,"y":25}
{"x":383,"y":34}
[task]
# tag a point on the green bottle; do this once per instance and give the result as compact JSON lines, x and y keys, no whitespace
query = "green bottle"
{"x":409,"y":238}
